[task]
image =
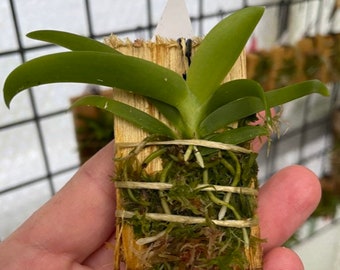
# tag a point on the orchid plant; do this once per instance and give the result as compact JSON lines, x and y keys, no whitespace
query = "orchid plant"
{"x":198,"y":107}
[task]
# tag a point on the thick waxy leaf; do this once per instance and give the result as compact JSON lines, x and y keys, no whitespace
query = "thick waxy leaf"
{"x":285,"y":94}
{"x":236,"y":136}
{"x":234,"y":90}
{"x":219,"y":50}
{"x":108,"y":69}
{"x":229,"y":113}
{"x":128,"y":113}
{"x":170,"y":113}
{"x":239,"y":135}
{"x":71,"y":41}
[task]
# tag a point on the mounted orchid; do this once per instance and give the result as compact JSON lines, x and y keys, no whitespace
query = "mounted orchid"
{"x":203,"y":191}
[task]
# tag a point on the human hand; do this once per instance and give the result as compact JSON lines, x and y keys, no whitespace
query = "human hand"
{"x":70,"y":231}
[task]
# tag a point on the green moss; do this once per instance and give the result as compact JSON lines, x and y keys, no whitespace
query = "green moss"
{"x":198,"y":246}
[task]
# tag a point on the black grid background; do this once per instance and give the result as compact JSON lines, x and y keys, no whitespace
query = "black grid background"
{"x":296,"y":139}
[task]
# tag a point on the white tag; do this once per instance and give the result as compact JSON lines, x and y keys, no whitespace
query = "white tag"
{"x":175,"y":22}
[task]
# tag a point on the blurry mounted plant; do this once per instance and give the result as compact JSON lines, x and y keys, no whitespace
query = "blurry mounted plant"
{"x":197,"y":211}
{"x":93,"y":126}
{"x":311,"y":58}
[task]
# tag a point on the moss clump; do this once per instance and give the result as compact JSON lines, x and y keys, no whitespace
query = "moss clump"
{"x":190,"y":245}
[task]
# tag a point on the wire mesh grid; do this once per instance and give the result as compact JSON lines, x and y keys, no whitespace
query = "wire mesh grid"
{"x":37,"y":140}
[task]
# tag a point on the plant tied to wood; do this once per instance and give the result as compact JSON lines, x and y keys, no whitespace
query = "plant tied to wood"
{"x":208,"y":176}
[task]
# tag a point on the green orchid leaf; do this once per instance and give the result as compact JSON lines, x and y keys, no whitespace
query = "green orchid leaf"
{"x":113,"y":70}
{"x":249,"y":105}
{"x":235,"y":136}
{"x":136,"y":117}
{"x":71,"y":41}
{"x":234,"y":90}
{"x":219,"y":51}
{"x":288,"y":93}
{"x":239,"y":135}
{"x":170,"y":113}
{"x":230,"y":113}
